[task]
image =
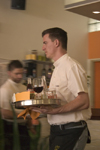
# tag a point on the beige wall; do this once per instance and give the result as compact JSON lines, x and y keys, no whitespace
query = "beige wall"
{"x":20,"y":30}
{"x":67,"y":2}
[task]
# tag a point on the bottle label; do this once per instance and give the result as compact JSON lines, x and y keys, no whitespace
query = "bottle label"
{"x":29,"y":89}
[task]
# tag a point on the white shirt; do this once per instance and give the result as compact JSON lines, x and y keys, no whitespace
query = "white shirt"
{"x":6,"y":93}
{"x":68,"y":79}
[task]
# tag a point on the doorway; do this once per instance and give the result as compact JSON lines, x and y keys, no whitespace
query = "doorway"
{"x":97,"y":84}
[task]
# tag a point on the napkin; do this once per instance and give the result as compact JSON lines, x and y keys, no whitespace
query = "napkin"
{"x":33,"y":114}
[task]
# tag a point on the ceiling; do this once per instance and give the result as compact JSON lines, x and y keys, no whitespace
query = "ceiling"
{"x":85,"y":8}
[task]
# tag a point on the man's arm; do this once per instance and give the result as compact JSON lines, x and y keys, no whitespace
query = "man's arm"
{"x":5,"y":98}
{"x":6,"y":114}
{"x":81,"y":102}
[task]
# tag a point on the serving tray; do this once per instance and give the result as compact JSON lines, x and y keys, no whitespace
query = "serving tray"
{"x":37,"y":103}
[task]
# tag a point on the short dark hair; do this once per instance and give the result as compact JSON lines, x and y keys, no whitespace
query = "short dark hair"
{"x":57,"y":33}
{"x":14,"y":64}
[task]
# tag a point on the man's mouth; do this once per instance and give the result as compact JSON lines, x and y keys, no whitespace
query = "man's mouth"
{"x":19,"y":80}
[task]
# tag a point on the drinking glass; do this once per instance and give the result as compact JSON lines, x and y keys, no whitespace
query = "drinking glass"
{"x":38,"y":85}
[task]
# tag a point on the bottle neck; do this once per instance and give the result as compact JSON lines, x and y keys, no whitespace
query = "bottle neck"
{"x":29,"y":81}
{"x":29,"y":85}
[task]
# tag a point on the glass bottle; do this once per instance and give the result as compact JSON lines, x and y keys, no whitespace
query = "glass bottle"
{"x":34,"y":72}
{"x":43,"y":73}
{"x":49,"y":74}
{"x":25,"y":70}
{"x":29,"y":84}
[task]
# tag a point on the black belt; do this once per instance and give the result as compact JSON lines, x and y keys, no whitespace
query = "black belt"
{"x":81,"y":123}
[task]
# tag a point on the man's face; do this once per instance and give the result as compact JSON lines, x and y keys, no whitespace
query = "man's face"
{"x":48,"y":46}
{"x":16,"y":74}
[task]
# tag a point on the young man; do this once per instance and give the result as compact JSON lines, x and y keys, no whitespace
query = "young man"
{"x":13,"y":85}
{"x":68,"y":122}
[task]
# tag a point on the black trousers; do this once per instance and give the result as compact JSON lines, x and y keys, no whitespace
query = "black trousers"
{"x":23,"y":136}
{"x":65,"y":138}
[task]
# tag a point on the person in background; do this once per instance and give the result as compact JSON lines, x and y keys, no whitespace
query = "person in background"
{"x":13,"y":85}
{"x":68,"y":127}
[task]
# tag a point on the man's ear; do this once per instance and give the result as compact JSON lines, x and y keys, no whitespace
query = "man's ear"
{"x":57,"y":43}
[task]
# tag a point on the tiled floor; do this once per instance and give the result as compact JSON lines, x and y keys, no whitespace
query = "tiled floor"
{"x":94,"y":127}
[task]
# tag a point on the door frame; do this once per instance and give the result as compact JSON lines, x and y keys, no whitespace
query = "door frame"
{"x":90,"y":72}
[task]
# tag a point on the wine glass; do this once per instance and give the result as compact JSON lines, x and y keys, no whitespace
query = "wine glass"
{"x":38,"y":85}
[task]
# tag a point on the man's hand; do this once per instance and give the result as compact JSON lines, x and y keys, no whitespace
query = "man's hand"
{"x":45,"y":109}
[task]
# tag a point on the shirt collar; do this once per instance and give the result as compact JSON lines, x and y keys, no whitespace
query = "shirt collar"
{"x":14,"y":83}
{"x":57,"y":62}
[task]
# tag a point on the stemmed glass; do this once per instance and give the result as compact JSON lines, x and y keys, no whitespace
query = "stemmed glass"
{"x":38,"y":85}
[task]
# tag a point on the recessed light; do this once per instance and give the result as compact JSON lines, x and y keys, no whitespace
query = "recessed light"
{"x":96,"y":12}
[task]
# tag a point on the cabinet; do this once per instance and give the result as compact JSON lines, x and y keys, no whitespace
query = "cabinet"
{"x":34,"y":68}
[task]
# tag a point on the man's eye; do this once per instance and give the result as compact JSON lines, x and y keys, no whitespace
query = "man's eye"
{"x":45,"y":42}
{"x":19,"y":73}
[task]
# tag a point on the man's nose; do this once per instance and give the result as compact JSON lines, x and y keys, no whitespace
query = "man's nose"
{"x":20,"y":76}
{"x":43,"y":47}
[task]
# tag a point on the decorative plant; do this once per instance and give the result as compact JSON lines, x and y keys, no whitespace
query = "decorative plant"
{"x":44,"y":144}
{"x":1,"y":133}
{"x":16,"y":141}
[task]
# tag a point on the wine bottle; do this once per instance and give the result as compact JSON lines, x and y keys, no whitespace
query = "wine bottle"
{"x":34,"y":72}
{"x":29,"y":84}
{"x":24,"y":81}
{"x":49,"y":74}
{"x":44,"y":71}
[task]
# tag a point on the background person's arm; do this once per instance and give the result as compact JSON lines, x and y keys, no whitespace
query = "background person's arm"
{"x":6,"y":114}
{"x":5,"y":98}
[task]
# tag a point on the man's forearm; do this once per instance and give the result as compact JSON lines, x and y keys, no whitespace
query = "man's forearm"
{"x":81,"y":102}
{"x":7,"y":114}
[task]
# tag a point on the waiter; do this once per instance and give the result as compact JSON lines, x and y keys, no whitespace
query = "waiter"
{"x":69,"y":129}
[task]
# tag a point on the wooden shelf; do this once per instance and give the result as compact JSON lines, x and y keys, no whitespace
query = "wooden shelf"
{"x":37,"y":61}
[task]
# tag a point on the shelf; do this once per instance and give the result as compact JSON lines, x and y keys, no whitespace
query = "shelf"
{"x":31,"y":65}
{"x":37,"y":61}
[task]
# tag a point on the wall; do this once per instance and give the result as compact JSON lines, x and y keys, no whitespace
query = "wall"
{"x":20,"y":30}
{"x":93,"y":60}
{"x":97,"y":84}
{"x":67,"y":2}
{"x":94,"y":45}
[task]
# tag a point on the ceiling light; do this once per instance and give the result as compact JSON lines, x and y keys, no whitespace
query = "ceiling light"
{"x":96,"y":12}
